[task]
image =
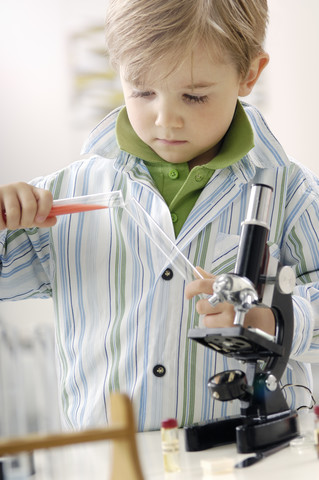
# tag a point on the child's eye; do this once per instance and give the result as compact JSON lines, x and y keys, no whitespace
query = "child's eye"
{"x":141,"y":93}
{"x":195,"y":98}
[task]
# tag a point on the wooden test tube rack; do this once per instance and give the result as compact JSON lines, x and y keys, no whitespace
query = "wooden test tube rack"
{"x":122,"y":432}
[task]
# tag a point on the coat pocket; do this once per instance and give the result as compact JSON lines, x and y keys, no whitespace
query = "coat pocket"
{"x":226,"y":250}
{"x":225,"y":253}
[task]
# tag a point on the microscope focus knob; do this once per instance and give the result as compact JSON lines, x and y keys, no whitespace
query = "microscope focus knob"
{"x":271,"y":383}
{"x":229,"y":385}
{"x":286,"y":280}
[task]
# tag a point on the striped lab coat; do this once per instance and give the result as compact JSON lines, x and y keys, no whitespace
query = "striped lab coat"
{"x":121,"y":325}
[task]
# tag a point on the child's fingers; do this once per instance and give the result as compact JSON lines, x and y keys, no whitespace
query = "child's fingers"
{"x":197,"y":287}
{"x":44,"y":203}
{"x":11,"y":207}
{"x":204,"y":284}
{"x":222,"y":318}
{"x":24,"y":206}
{"x":28,"y":205}
{"x":223,"y":314}
{"x":203,"y":273}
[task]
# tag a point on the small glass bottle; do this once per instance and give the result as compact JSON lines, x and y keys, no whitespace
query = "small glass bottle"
{"x":170,"y":445}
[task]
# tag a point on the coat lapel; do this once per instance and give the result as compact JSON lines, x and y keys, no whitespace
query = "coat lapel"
{"x":221,"y":191}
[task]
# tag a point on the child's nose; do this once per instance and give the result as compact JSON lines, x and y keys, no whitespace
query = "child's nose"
{"x":168,"y":117}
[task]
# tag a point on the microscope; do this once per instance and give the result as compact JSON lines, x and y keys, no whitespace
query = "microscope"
{"x":265,"y":421}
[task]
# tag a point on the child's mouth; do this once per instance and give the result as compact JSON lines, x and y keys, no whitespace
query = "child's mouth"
{"x":165,"y":141}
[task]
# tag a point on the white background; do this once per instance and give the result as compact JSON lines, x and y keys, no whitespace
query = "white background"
{"x":36,"y":132}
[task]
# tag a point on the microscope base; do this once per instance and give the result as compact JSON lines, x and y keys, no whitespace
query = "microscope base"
{"x":250,"y":435}
{"x":214,"y":433}
{"x":277,"y":429}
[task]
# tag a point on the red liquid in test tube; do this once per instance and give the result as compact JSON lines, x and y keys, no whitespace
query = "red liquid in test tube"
{"x":73,"y":208}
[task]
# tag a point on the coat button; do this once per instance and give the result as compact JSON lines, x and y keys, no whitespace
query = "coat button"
{"x":168,"y":274}
{"x":159,"y":370}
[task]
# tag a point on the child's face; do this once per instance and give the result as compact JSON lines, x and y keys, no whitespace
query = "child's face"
{"x":185,"y":116}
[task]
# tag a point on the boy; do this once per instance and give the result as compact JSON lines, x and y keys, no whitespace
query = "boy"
{"x":185,"y":148}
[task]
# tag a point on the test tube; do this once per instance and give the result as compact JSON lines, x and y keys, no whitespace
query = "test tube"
{"x":164,"y":244}
{"x":135,"y":210}
{"x":97,"y":201}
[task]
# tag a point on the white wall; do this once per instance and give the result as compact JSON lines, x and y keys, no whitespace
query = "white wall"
{"x":292,"y":78}
{"x":34,"y":89}
{"x":36,"y":135}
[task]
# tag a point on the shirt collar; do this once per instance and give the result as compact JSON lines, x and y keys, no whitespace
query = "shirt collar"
{"x":237,"y":142}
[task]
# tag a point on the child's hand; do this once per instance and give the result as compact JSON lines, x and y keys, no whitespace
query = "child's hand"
{"x":25,"y":206}
{"x":223,"y":314}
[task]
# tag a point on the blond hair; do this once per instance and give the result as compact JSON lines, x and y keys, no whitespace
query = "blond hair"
{"x":142,"y":33}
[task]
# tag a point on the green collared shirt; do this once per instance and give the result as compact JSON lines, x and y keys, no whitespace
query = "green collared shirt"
{"x":180,"y":187}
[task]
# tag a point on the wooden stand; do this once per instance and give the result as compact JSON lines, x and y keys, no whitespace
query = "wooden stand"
{"x":125,"y":459}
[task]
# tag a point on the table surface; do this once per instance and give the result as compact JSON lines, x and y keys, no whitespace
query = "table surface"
{"x":92,"y":462}
{"x":298,"y":462}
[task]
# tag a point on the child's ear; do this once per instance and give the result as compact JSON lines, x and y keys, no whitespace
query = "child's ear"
{"x":256,"y":67}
